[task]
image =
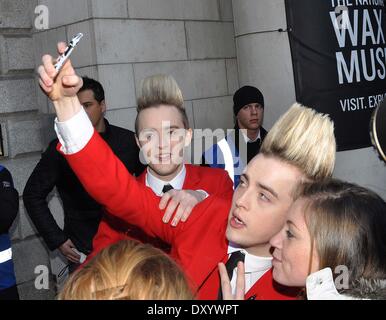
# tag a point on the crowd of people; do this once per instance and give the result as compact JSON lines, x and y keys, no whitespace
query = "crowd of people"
{"x":274,"y":225}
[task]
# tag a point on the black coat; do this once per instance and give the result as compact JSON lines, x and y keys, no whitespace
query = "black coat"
{"x":9,"y":201}
{"x":82,"y":214}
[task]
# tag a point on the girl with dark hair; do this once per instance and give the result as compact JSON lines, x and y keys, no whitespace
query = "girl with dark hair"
{"x":333,"y":243}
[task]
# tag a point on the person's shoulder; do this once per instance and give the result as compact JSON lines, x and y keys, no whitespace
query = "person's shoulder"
{"x":53,"y":144}
{"x":51,"y":152}
{"x":3,"y":170}
{"x":215,"y":173}
{"x":120,"y":130}
{"x":263,"y":132}
{"x":5,"y":176}
{"x":122,"y":133}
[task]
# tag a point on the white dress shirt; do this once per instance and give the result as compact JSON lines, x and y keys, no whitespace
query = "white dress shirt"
{"x":255,"y":268}
{"x":320,"y":286}
{"x":157,"y":184}
{"x":246,"y":138}
{"x":75,"y":133}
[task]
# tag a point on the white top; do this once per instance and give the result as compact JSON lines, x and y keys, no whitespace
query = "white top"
{"x":75,"y":133}
{"x":157,"y":184}
{"x":255,"y":268}
{"x":320,"y":286}
{"x":246,"y":138}
{"x":5,"y":255}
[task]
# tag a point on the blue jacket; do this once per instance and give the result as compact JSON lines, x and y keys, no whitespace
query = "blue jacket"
{"x":9,"y":206}
{"x":231,"y":154}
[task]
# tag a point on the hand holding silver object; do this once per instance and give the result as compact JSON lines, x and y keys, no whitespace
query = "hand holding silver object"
{"x":63,"y":57}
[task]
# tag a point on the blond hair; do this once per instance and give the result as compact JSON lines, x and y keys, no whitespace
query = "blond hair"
{"x":159,"y":90}
{"x":304,"y":138}
{"x":128,"y":270}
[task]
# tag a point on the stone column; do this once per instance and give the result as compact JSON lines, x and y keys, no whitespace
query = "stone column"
{"x":264,"y":60}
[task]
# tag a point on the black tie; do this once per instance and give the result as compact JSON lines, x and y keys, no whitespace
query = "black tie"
{"x":231,"y":264}
{"x":167,"y":187}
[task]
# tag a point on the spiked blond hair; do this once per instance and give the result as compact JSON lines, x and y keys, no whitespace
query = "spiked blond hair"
{"x":304,"y":138}
{"x":161,"y":89}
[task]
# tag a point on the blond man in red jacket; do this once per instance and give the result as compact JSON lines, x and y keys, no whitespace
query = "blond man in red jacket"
{"x":161,"y":118}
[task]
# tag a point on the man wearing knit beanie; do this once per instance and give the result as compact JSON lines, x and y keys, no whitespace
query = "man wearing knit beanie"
{"x":244,"y":144}
{"x":248,"y":108}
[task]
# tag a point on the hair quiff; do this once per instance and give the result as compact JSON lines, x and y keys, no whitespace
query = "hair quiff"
{"x":305,"y":139}
{"x":159,"y":90}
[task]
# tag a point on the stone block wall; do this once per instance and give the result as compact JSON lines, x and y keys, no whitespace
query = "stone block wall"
{"x":22,"y":131}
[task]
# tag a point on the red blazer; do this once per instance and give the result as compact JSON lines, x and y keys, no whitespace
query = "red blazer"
{"x":112,"y":229}
{"x":198,"y":245}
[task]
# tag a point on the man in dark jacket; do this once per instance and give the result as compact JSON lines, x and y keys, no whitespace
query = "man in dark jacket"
{"x":81,"y":213}
{"x":244,"y":143}
{"x":9,"y":206}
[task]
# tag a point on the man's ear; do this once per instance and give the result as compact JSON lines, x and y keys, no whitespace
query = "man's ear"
{"x":103,"y":106}
{"x":137,"y":141}
{"x":188,"y":137}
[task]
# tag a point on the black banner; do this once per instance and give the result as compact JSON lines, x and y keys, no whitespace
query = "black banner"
{"x":339,"y":58}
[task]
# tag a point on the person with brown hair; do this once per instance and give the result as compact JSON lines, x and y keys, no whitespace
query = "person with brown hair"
{"x":333,"y":243}
{"x":218,"y":230}
{"x":128,"y":270}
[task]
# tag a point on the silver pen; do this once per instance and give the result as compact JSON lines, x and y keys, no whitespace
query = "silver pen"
{"x":63,"y":57}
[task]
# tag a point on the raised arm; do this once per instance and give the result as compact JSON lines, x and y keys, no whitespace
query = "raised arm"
{"x":102,"y":174}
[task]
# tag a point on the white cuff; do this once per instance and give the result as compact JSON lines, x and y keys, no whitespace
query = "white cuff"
{"x":204,"y":193}
{"x":74,"y":134}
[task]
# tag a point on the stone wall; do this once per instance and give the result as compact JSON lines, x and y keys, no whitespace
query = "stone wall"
{"x":22,"y":130}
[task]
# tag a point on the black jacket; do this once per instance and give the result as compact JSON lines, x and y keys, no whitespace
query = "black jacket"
{"x":9,"y":201}
{"x":82,"y":214}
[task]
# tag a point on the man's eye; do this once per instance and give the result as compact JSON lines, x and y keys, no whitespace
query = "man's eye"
{"x":263,"y":197}
{"x":242,"y":183}
{"x":148,"y":137}
{"x":289,"y":234}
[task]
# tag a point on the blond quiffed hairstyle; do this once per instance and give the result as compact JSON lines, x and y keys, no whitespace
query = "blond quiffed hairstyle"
{"x":304,"y":138}
{"x":128,"y":270}
{"x":159,"y":90}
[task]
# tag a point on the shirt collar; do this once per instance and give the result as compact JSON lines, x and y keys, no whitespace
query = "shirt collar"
{"x":157,"y":184}
{"x":247,"y":140}
{"x":320,"y":286}
{"x":252,"y":263}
